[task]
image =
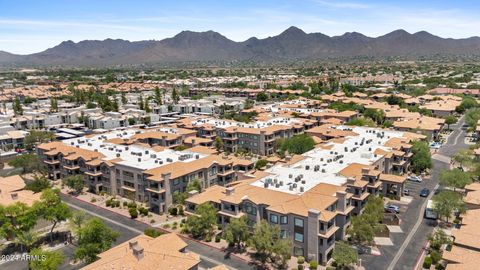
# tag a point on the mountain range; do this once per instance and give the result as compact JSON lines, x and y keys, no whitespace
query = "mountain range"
{"x":291,"y":44}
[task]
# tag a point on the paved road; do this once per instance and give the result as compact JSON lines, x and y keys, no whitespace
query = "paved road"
{"x":129,"y":228}
{"x":408,"y":245}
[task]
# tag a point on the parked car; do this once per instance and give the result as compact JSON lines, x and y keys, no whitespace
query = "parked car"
{"x":390,"y":208}
{"x":435,"y":145}
{"x":464,"y":126}
{"x":406,"y":192}
{"x":414,"y":178}
{"x":424,"y":192}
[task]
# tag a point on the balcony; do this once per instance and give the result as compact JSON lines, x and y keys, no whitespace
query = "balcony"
{"x":51,"y":162}
{"x":93,"y":173}
{"x":155,"y":190}
{"x":225,"y":173}
{"x":331,"y":231}
{"x":71,"y":167}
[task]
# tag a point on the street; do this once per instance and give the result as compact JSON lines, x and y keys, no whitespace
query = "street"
{"x":407,"y":246}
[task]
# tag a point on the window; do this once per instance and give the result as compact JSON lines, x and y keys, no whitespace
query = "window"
{"x":176,"y":182}
{"x":273,"y":218}
{"x":283,"y":234}
{"x":299,"y":222}
{"x":299,"y":237}
{"x":250,"y":209}
{"x":298,"y":251}
{"x":322,"y":227}
{"x":283,"y":220}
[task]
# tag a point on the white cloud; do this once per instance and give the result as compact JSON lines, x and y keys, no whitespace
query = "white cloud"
{"x":340,"y":4}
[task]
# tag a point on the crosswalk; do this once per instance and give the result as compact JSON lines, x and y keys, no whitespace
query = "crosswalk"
{"x":414,"y":187}
{"x":441,"y":158}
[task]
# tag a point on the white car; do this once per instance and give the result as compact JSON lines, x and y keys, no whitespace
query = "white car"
{"x":435,"y":145}
{"x":414,"y":178}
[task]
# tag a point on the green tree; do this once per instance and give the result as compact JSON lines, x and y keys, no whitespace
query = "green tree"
{"x":202,"y":224}
{"x":365,"y":226}
{"x":467,"y":103}
{"x":218,"y":143}
{"x":260,"y":164}
{"x":158,"y":96}
{"x":194,"y":185}
{"x":27,"y":239}
{"x":16,"y":219}
{"x":455,"y":178}
{"x":53,"y":105}
{"x":262,"y":97}
{"x":421,"y":158}
{"x":472,"y":116}
{"x":131,"y":121}
{"x":298,"y":144}
{"x":51,"y":260}
{"x":52,"y":208}
{"x":450,"y":120}
{"x":344,"y":255}
{"x":74,"y":182}
{"x":17,"y":107}
{"x":236,"y":231}
{"x":268,"y":243}
{"x":376,"y":115}
{"x":77,"y":221}
{"x":39,"y":183}
{"x":35,"y":137}
{"x":361,"y":122}
{"x":146,"y":120}
{"x":124,"y":98}
{"x":446,"y":202}
{"x":175,"y":96}
{"x":94,"y":238}
{"x":465,"y":157}
{"x":438,"y":239}
{"x":394,"y":100}
{"x":140,"y":102}
{"x":179,"y":197}
{"x":146,"y":107}
{"x":91,"y":105}
{"x":28,"y":162}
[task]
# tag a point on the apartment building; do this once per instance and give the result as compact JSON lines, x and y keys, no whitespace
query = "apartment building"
{"x":257,"y":137}
{"x":313,"y":196}
{"x":117,"y":164}
{"x":11,"y":139}
{"x":145,"y":252}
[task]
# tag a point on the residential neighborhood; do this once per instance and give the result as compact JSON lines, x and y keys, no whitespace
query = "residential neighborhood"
{"x":134,"y":137}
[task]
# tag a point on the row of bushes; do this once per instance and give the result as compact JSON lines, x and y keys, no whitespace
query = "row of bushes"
{"x":301,"y":261}
{"x":433,"y":258}
{"x":133,"y":209}
{"x":176,"y":210}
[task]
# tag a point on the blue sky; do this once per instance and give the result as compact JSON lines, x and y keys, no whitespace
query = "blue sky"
{"x":32,"y":26}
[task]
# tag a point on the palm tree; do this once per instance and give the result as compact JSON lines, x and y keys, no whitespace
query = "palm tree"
{"x":27,"y":240}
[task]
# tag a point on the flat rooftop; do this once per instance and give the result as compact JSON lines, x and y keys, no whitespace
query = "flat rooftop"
{"x":223,"y":123}
{"x":134,"y":155}
{"x":324,"y":165}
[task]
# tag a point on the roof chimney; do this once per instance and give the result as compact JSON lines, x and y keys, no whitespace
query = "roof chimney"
{"x":137,"y":249}
{"x":229,"y":191}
